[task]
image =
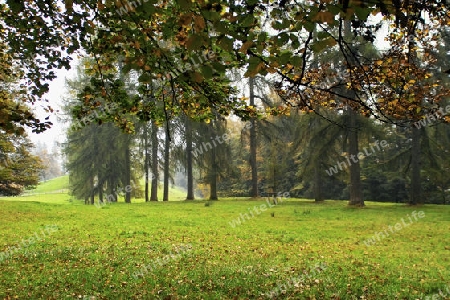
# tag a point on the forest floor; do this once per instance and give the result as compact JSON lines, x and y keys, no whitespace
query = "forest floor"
{"x":227,"y":249}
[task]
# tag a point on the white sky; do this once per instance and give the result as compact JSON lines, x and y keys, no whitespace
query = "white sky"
{"x":55,"y":96}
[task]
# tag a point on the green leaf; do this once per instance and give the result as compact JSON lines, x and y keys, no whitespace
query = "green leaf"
{"x":247,"y":21}
{"x":218,"y":67}
{"x":283,"y":38}
{"x":226,"y":43}
{"x":309,"y":26}
{"x":145,"y":78}
{"x":285,"y":58}
{"x":322,"y":35}
{"x":322,"y":44}
{"x":262,"y":36}
{"x":334,"y":9}
{"x":221,"y":26}
{"x":297,"y":61}
{"x":362,"y":13}
{"x":184,"y":4}
{"x":148,"y":8}
{"x":207,"y":72}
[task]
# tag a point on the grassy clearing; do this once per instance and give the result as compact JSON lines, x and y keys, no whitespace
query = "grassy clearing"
{"x":191,"y":251}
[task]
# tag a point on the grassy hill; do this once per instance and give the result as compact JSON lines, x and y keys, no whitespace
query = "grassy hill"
{"x":56,"y":190}
{"x":55,"y":185}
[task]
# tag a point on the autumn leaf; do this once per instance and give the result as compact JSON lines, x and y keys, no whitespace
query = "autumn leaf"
{"x":324,"y":17}
{"x":100,"y":5}
{"x":197,"y":77}
{"x":245,"y":46}
{"x":199,"y":23}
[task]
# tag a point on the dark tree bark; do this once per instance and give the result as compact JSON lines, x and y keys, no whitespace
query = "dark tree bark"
{"x":155,"y":176}
{"x":317,"y":183}
{"x":254,"y":191}
{"x":92,"y":190}
{"x":415,"y":197}
{"x":100,"y":192}
{"x":146,"y":162}
{"x":213,"y":176}
{"x":356,"y":197}
{"x":189,"y":158}
{"x":166,"y":165}
{"x":128,"y":170}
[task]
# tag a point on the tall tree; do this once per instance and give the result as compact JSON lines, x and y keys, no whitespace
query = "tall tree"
{"x":189,"y":159}
{"x":253,"y":143}
{"x":166,"y":161}
{"x":155,"y":162}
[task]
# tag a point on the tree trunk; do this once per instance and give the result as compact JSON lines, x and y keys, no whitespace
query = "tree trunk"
{"x":92,"y":191}
{"x":317,"y":183}
{"x":100,"y":192}
{"x":189,"y":158}
{"x":356,"y":197}
{"x":112,"y":189}
{"x":166,"y":165}
{"x":155,"y":175}
{"x":415,"y":197}
{"x":128,"y":170}
{"x":146,"y":161}
{"x":254,"y":192}
{"x":213,"y":176}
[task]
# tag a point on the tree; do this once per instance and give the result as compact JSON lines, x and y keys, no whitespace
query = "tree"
{"x":166,"y":161}
{"x":212,"y":154}
{"x":50,"y":161}
{"x":99,"y":154}
{"x":229,"y":34}
{"x":189,"y":159}
{"x":155,"y":162}
{"x":253,"y":144}
{"x":19,"y":169}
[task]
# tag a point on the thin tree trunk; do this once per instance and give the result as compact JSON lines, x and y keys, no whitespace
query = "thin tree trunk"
{"x":92,"y":191}
{"x":166,"y":165}
{"x":100,"y":192}
{"x":128,"y":170}
{"x":112,"y":189}
{"x":317,"y":183}
{"x":213,"y":176}
{"x":155,"y":175}
{"x":415,"y":197}
{"x":189,"y":158}
{"x":356,"y":197}
{"x":146,"y":161}
{"x":254,"y":192}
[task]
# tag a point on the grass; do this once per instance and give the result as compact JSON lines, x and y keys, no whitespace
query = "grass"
{"x":190,"y":250}
{"x":58,"y":184}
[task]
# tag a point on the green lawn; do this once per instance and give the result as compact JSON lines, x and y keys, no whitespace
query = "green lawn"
{"x":189,"y":250}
